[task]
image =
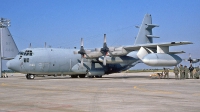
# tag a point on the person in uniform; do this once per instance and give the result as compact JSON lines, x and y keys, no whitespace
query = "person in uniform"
{"x":197,"y":72}
{"x":191,"y":68}
{"x":186,"y":70}
{"x":197,"y":68}
{"x":176,"y":72}
{"x":166,"y":72}
{"x":181,"y":71}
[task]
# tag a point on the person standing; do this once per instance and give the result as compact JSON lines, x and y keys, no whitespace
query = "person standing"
{"x":181,"y":71}
{"x":186,"y":70}
{"x":197,"y":72}
{"x":191,"y":68}
{"x":176,"y":72}
{"x":166,"y":72}
{"x":197,"y":68}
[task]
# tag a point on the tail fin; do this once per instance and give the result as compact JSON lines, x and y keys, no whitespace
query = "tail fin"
{"x":8,"y":47}
{"x":145,"y":32}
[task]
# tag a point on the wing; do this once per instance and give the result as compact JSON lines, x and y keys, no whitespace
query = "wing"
{"x":154,"y":46}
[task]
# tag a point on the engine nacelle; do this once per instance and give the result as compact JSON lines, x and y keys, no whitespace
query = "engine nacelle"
{"x":114,"y":60}
{"x":119,"y":51}
{"x":93,"y":55}
{"x":161,"y":59}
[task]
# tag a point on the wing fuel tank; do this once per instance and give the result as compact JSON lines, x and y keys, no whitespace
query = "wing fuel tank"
{"x":161,"y":59}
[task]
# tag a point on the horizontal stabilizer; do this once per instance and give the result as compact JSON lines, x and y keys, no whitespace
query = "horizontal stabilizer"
{"x":152,"y":36}
{"x":154,"y":45}
{"x":150,"y":26}
{"x":177,"y":52}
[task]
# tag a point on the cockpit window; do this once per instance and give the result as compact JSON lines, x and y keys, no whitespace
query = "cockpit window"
{"x":21,"y":53}
{"x":26,"y":53}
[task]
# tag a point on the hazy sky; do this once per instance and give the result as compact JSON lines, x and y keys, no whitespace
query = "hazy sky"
{"x":61,"y":23}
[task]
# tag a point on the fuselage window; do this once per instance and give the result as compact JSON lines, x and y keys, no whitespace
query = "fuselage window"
{"x":26,"y":60}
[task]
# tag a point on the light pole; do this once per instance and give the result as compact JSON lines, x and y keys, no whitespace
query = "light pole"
{"x":4,"y":23}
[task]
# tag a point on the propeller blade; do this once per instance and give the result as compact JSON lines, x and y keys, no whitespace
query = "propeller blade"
{"x":104,"y":38}
{"x":82,"y":60}
{"x":190,"y":58}
{"x":110,"y":54}
{"x":190,"y":55}
{"x":81,"y":41}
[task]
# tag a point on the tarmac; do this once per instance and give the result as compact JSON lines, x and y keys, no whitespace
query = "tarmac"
{"x":120,"y":92}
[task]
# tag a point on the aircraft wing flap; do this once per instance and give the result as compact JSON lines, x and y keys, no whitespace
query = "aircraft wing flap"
{"x":154,"y":45}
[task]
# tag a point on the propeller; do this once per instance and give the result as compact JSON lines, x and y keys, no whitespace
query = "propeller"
{"x":104,"y":50}
{"x":82,"y":52}
{"x":190,"y":59}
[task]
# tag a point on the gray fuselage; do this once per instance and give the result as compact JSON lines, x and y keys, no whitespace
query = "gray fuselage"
{"x":49,"y":61}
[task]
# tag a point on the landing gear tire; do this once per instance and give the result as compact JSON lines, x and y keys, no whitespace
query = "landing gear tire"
{"x":74,"y":76}
{"x":90,"y":76}
{"x":30,"y":76}
{"x":82,"y":76}
{"x":97,"y":76}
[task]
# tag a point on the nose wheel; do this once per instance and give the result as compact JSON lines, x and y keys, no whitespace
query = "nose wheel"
{"x":30,"y":76}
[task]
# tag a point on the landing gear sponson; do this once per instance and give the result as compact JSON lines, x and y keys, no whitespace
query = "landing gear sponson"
{"x":32,"y":76}
{"x":83,"y":76}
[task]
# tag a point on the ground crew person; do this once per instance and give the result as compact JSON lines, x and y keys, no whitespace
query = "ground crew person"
{"x":191,"y":68}
{"x":176,"y":72}
{"x":197,"y":69}
{"x":166,"y":72}
{"x":181,"y":71}
{"x":197,"y":72}
{"x":186,"y":72}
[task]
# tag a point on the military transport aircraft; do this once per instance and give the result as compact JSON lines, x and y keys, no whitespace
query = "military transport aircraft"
{"x":99,"y":61}
{"x":192,"y":60}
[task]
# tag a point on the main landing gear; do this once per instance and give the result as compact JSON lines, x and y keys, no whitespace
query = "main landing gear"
{"x":97,"y":76}
{"x":83,"y":76}
{"x":76,"y":76}
{"x":30,"y":76}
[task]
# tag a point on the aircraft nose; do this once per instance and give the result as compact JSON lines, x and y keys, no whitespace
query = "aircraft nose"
{"x":8,"y":64}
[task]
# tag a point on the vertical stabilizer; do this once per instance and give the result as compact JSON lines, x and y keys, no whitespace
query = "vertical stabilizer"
{"x":8,"y":47}
{"x":145,"y":31}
